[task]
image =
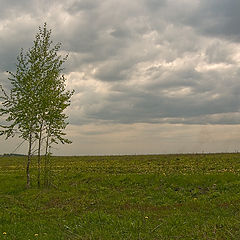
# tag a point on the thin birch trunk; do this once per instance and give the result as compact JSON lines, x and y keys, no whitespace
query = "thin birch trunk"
{"x":29,"y":160}
{"x":39,"y":157}
{"x":46,"y":162}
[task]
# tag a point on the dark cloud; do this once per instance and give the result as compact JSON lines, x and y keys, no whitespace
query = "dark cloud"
{"x":120,"y":32}
{"x":119,"y":70}
{"x":82,"y":5}
{"x":217,"y":18}
{"x":140,"y":61}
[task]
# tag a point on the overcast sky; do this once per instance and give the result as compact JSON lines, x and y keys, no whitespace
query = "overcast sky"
{"x":150,"y":76}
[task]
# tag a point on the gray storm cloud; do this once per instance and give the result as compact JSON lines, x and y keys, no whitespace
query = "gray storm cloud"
{"x":142,"y":61}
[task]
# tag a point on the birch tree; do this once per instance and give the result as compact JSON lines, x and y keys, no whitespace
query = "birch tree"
{"x":38,"y":98}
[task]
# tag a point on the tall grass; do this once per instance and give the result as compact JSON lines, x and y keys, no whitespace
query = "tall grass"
{"x":123,"y":197}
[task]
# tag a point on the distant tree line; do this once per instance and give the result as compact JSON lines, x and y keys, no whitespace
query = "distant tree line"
{"x":12,"y":155}
{"x":34,"y":109}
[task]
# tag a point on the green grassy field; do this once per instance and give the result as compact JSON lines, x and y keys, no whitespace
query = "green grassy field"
{"x":124,"y":197}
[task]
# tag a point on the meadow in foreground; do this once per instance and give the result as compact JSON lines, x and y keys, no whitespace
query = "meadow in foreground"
{"x":124,"y":197}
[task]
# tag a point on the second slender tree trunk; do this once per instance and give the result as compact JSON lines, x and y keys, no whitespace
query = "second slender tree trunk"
{"x":46,"y":163}
{"x":29,"y":160}
{"x":39,"y":157}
